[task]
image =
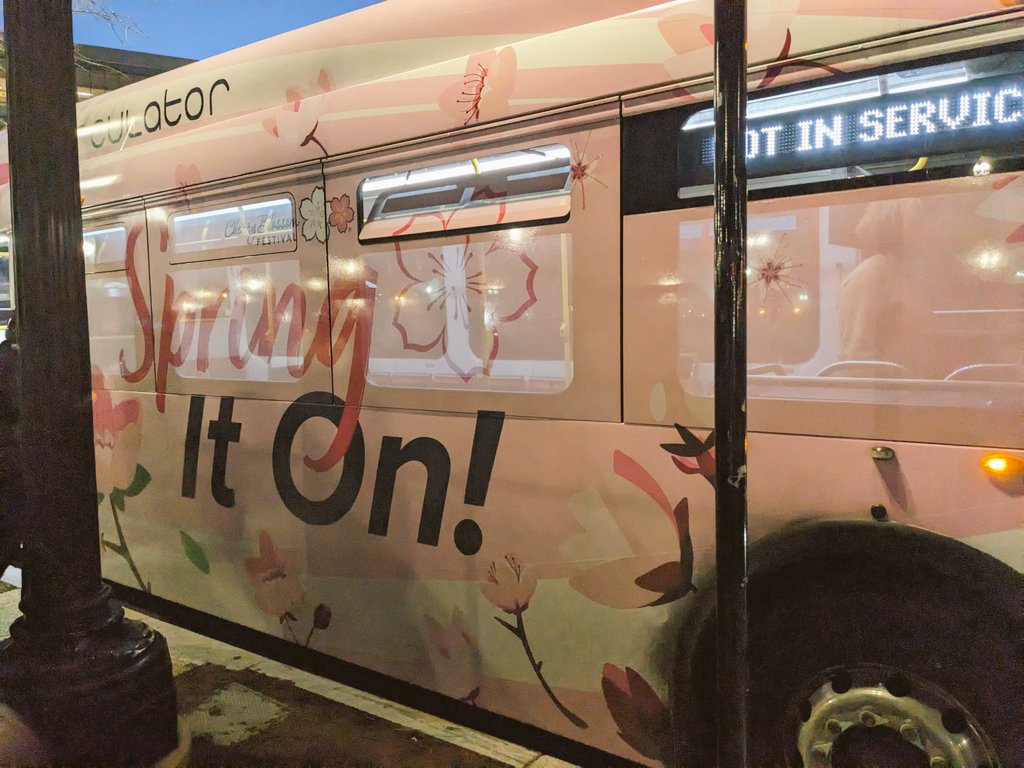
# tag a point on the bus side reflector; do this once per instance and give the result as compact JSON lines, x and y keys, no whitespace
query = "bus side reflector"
{"x":1003,"y":465}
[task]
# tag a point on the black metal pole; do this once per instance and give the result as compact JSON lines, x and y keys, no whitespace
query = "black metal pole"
{"x":731,"y":378}
{"x":95,"y":688}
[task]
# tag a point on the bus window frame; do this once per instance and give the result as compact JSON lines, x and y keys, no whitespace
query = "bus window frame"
{"x":361,"y":213}
{"x":593,"y":393}
{"x":652,"y":188}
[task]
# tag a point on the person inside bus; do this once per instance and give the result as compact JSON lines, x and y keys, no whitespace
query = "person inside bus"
{"x":884,"y":313}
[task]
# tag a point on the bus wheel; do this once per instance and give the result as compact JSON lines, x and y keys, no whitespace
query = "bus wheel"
{"x":884,"y":663}
{"x":877,"y":715}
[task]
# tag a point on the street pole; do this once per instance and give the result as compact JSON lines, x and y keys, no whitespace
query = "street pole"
{"x":731,"y":378}
{"x":95,"y":688}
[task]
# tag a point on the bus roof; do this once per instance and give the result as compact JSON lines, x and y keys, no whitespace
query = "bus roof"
{"x":403,"y":69}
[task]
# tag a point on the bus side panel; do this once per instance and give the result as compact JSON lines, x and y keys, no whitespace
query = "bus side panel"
{"x":118,"y":296}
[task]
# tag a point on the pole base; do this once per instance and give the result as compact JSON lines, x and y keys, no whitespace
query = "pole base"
{"x":103,"y":698}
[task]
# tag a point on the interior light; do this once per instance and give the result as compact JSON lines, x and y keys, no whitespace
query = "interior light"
{"x":99,"y":181}
{"x":268,"y":204}
{"x":205,"y":215}
{"x":1003,"y":465}
{"x":920,"y":80}
{"x":510,"y":161}
{"x":812,"y":98}
{"x":441,"y":174}
{"x":384,"y":182}
{"x":983,"y":167}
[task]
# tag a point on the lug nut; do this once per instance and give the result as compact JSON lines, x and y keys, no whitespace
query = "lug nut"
{"x":821,"y":750}
{"x":834,"y":726}
{"x":909,"y":732}
{"x":938,"y":762}
{"x":868,"y":718}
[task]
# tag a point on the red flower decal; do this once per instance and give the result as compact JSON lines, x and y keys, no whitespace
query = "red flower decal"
{"x":275,"y":578}
{"x":117,"y":436}
{"x":581,"y":169}
{"x":341,"y":213}
{"x":485,"y":88}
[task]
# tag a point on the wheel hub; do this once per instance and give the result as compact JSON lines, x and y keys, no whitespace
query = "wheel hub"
{"x":869,"y":716}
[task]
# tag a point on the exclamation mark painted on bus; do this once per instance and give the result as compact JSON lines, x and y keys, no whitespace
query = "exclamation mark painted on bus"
{"x":468,"y":536}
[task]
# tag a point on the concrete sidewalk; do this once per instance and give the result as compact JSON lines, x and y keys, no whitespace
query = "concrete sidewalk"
{"x":246,"y":711}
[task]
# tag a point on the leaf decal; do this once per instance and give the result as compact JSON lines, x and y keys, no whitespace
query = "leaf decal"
{"x":142,"y":478}
{"x":99,"y":498}
{"x":117,"y":499}
{"x":643,"y":720}
{"x":194,"y":552}
{"x":692,"y":445}
{"x":628,"y":469}
{"x":663,"y":579}
{"x":682,"y":515}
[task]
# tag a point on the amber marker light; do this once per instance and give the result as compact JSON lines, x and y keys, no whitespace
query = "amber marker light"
{"x":1003,"y":465}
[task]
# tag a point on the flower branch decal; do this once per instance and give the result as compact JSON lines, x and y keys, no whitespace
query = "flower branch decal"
{"x":314,"y":216}
{"x":694,"y":456}
{"x":581,"y":169}
{"x":117,"y":439}
{"x":274,"y":575}
{"x":690,"y":34}
{"x":447,"y":286}
{"x":341,"y":213}
{"x":510,"y":587}
{"x":184,"y":177}
{"x":455,"y":649}
{"x":297,"y":121}
{"x":643,"y":720}
{"x":485,"y":87}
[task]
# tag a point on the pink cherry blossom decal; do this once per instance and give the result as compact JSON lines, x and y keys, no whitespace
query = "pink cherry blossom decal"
{"x":341,"y":213}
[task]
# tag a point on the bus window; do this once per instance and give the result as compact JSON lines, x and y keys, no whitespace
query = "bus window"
{"x":500,"y":302}
{"x":472,"y":310}
{"x":240,"y":288}
{"x":526,"y":185}
{"x":117,"y":330}
{"x":6,"y":277}
{"x":874,"y":310}
{"x":904,"y":300}
{"x":240,"y":229}
{"x":104,"y":249}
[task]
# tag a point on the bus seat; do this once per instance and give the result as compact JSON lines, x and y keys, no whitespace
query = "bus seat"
{"x":988,"y":372}
{"x":869,"y":369}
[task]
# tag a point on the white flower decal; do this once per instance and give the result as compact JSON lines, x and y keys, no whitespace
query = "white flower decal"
{"x":313,"y":210}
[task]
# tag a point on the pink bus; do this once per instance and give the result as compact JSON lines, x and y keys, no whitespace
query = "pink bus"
{"x":402,"y":351}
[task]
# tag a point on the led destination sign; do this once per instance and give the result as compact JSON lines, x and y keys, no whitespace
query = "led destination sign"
{"x":855,"y":124}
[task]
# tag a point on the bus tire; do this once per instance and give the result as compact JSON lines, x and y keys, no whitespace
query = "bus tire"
{"x":877,"y":644}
